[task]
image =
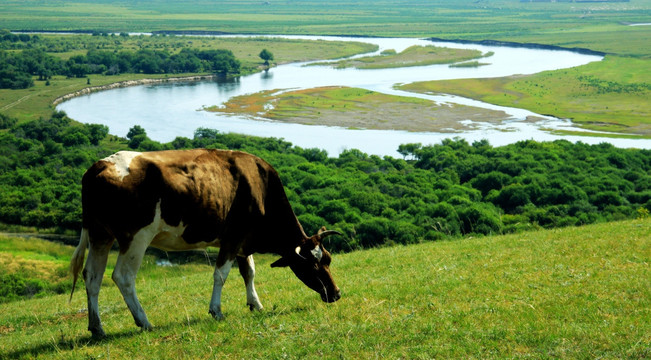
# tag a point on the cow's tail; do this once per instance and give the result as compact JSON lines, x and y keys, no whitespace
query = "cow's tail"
{"x":77,"y":261}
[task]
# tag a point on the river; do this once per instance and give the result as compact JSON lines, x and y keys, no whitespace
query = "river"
{"x":175,"y":109}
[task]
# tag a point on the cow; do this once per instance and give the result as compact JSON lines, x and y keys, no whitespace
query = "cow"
{"x":191,"y":199}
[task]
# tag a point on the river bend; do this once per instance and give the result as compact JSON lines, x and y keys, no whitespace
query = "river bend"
{"x":174,"y":109}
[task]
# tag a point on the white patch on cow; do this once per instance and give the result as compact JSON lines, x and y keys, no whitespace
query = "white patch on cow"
{"x":220,"y":275}
{"x":169,"y":238}
{"x":249,"y":274}
{"x":122,"y":160}
{"x":317,"y":252}
{"x":127,"y":266}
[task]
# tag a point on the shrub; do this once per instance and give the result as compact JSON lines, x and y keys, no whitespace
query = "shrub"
{"x":480,"y":218}
{"x":14,"y":286}
{"x":136,"y":140}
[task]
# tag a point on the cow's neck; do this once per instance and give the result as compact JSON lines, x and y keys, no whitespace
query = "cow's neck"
{"x":287,"y":236}
{"x":283,"y":232}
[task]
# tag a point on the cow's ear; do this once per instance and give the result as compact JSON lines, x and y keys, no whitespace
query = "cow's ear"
{"x":282,"y":262}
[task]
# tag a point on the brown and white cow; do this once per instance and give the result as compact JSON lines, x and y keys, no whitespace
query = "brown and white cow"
{"x":191,"y":199}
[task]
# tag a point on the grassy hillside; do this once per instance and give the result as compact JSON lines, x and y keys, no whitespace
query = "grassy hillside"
{"x":571,"y":293}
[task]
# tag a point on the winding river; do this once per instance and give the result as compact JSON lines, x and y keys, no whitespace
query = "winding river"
{"x":175,"y":109}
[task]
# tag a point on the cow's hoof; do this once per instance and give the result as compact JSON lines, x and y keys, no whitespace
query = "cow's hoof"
{"x":217,"y":315}
{"x":98,"y":334}
{"x":254,"y":307}
{"x":144,"y":325}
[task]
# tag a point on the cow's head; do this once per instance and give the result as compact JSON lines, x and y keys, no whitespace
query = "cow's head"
{"x":311,"y":263}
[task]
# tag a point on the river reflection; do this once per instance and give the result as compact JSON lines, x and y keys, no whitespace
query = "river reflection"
{"x":175,"y":109}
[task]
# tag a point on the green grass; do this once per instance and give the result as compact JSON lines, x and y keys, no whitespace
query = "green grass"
{"x":598,"y":26}
{"x":288,"y":103}
{"x":32,"y":267}
{"x":245,"y":49}
{"x":355,"y":108}
{"x":565,"y":293}
{"x":609,"y":95}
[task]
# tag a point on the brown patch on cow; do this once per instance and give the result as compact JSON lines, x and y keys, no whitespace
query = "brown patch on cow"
{"x":216,"y":194}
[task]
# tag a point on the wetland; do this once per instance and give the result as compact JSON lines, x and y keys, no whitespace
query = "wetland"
{"x":176,"y":109}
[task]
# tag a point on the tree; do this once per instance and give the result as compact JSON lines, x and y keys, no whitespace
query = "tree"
{"x":409,"y":149}
{"x":267,"y":56}
{"x":12,"y":78}
{"x":136,"y":135}
{"x":224,"y":62}
{"x":206,"y":133}
{"x":97,"y":132}
{"x":136,"y":130}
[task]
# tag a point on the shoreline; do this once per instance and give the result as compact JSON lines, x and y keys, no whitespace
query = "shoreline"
{"x":513,"y":44}
{"x":127,"y":83}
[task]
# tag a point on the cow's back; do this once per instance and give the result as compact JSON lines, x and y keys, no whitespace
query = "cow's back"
{"x":212,"y":193}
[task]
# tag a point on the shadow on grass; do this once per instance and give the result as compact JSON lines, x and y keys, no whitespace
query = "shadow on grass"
{"x":70,"y":344}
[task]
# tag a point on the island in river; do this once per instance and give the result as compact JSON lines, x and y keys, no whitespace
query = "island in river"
{"x":358,"y":108}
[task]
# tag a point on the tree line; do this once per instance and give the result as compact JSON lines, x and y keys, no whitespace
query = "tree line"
{"x":18,"y":67}
{"x":442,"y":191}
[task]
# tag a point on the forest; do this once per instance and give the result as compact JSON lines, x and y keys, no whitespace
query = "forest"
{"x":18,"y":67}
{"x":434,"y":192}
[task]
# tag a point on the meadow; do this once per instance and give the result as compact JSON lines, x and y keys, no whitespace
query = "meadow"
{"x":598,"y":26}
{"x":610,"y":95}
{"x":579,"y":292}
{"x":412,"y":56}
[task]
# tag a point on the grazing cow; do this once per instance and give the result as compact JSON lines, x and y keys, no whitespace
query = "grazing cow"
{"x":191,"y":199}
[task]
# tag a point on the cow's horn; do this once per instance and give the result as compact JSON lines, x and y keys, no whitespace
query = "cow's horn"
{"x":298,"y":252}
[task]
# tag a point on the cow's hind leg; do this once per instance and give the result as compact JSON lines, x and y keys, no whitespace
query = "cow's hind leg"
{"x":222,"y":268}
{"x":247,"y":269}
{"x":124,"y":275}
{"x":93,"y":274}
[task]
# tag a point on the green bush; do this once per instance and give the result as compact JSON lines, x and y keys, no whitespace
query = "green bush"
{"x":14,"y":286}
{"x":442,"y":191}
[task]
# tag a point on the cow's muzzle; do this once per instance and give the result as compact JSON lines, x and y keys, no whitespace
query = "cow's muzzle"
{"x":331,"y":297}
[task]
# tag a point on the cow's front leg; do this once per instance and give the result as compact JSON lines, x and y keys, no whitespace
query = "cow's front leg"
{"x":124,"y":276}
{"x":222,"y":268}
{"x":247,"y":269}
